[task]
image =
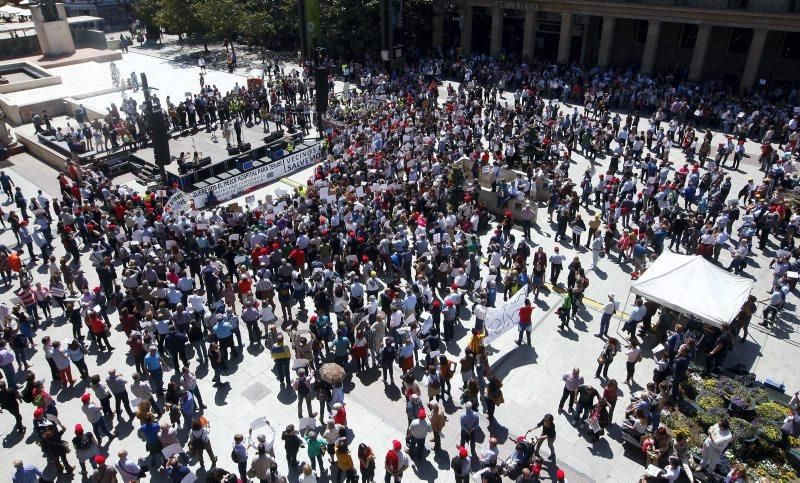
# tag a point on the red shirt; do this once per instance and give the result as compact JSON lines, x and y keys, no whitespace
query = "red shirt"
{"x":525,"y":314}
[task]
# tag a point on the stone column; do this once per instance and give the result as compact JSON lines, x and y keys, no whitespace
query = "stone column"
{"x":606,"y":41}
{"x":466,"y":30}
{"x":565,"y":38}
{"x":496,"y":40}
{"x":529,"y":35}
{"x":651,"y":46}
{"x":753,"y":58}
{"x":438,"y":29}
{"x":700,"y":50}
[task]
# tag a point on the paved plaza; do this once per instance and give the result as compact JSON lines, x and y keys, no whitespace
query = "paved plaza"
{"x":376,"y":412}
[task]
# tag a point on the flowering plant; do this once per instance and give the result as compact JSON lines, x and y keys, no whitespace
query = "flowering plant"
{"x":771,"y":411}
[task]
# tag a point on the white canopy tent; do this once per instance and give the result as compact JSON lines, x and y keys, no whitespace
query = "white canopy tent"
{"x":693,"y":285}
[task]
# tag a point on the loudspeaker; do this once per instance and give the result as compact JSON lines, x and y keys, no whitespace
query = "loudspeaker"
{"x":160,"y":138}
{"x":244,"y":147}
{"x":321,"y":87}
{"x":202,"y":162}
{"x":233,"y":150}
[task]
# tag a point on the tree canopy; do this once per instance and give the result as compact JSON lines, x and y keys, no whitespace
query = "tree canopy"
{"x":350,"y":28}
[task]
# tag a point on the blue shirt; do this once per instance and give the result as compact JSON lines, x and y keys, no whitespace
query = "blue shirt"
{"x":223,"y":329}
{"x":27,"y":474}
{"x":150,"y":432}
{"x":469,"y":420}
{"x":152,"y":362}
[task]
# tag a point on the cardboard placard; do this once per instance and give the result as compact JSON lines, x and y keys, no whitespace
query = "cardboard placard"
{"x":202,"y":226}
{"x":240,"y":259}
{"x":171,"y":243}
{"x":233,"y":237}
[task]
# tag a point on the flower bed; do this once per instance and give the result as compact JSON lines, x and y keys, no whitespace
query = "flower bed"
{"x":753,"y":419}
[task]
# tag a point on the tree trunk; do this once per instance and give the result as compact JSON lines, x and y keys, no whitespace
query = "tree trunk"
{"x":205,"y":45}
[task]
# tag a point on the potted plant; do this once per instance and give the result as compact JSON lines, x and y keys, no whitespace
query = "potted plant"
{"x":768,"y":431}
{"x":771,"y":411}
{"x":742,"y":430}
{"x":711,"y":416}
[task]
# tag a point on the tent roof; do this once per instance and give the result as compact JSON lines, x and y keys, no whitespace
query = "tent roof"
{"x":693,"y":285}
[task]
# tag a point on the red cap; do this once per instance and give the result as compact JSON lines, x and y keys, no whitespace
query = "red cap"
{"x":85,"y":398}
{"x":560,"y":474}
{"x":397,"y":445}
{"x":111,"y":226}
{"x":364,"y":258}
{"x":97,"y":290}
{"x":23,"y":223}
{"x":67,"y":229}
{"x":462,"y":451}
{"x":100,"y":459}
{"x":421,"y":413}
{"x":436,"y":303}
{"x":78,"y":429}
{"x":449,"y":303}
{"x":38,"y":413}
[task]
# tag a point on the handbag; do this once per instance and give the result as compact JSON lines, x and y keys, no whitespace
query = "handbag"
{"x":601,"y":359}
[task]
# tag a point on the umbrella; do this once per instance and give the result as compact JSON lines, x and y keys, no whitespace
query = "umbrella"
{"x":332,"y":373}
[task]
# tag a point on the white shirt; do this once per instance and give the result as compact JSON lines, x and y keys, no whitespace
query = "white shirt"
{"x":611,"y":307}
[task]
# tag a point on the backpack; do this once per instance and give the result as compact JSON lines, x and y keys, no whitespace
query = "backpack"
{"x":235,"y":456}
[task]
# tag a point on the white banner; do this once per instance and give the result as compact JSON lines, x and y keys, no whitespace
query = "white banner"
{"x":273,"y":170}
{"x":500,"y":320}
{"x":178,"y":202}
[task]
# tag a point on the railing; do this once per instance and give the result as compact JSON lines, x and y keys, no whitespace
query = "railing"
{"x":751,"y":5}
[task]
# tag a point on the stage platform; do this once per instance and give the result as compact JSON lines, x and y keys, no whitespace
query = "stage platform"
{"x":228,"y":172}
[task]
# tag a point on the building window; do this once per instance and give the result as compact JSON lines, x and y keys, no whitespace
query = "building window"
{"x":641,"y":31}
{"x":688,"y":36}
{"x":791,"y":46}
{"x":740,"y":40}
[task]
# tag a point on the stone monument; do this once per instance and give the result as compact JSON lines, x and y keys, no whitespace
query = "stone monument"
{"x":5,"y":136}
{"x":52,"y":28}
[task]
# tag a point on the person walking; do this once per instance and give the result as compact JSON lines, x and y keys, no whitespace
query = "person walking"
{"x":9,"y":401}
{"x":418,"y":430}
{"x":103,"y":473}
{"x":461,"y":464}
{"x":239,"y":455}
{"x":609,"y":309}
{"x":282,"y":359}
{"x":154,"y":365}
{"x":302,"y":386}
{"x":525,"y":323}
{"x":118,"y":387}
{"x":548,"y":434}
{"x":94,"y":414}
{"x":606,"y":357}
{"x":572,"y":380}
{"x":633,"y":355}
{"x":469,"y":425}
{"x":395,"y":463}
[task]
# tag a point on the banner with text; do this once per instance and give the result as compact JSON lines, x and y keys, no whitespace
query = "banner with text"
{"x":500,"y":320}
{"x":236,"y":185}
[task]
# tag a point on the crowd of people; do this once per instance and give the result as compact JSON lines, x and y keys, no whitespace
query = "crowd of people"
{"x":375,"y":259}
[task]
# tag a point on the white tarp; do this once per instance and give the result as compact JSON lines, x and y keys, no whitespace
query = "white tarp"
{"x":500,"y":320}
{"x":693,"y":285}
